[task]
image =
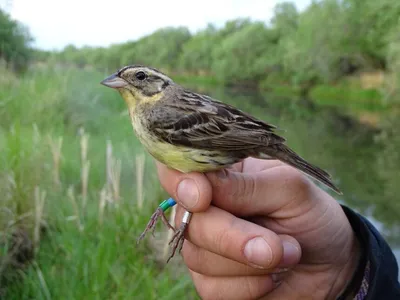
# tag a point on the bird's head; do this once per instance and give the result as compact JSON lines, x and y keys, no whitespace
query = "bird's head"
{"x":138,"y":83}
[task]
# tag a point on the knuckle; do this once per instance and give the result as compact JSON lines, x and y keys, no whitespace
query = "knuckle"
{"x":195,"y":260}
{"x":243,"y":189}
{"x":206,"y":294}
{"x":223,"y":241}
{"x":298,"y":184}
{"x":249,"y":186}
{"x":251,"y":288}
{"x":205,"y":288}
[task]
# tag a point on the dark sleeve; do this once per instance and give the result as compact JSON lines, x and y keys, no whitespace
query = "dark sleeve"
{"x":377,"y":274}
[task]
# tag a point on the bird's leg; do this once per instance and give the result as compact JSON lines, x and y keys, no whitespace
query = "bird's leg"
{"x":159,"y":213}
{"x":179,"y":236}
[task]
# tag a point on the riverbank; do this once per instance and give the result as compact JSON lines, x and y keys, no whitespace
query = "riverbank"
{"x":361,"y":96}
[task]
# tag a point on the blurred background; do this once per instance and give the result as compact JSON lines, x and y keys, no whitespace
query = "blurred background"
{"x":76,"y":187}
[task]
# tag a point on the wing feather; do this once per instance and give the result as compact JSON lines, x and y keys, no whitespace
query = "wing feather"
{"x":201,"y":122}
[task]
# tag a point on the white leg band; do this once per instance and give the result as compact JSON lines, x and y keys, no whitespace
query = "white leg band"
{"x":186,"y":217}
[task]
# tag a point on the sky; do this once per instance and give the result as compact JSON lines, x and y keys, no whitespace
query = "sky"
{"x":57,"y":23}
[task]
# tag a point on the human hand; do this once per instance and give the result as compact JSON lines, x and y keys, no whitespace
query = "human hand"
{"x":268,"y":233}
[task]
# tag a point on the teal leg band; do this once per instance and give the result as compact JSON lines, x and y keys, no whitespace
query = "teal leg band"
{"x":167,"y":204}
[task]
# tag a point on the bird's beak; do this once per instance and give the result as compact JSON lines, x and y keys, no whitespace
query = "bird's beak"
{"x":114,"y":81}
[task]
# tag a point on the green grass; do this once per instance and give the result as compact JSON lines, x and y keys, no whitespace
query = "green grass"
{"x":85,"y":234}
{"x":100,"y":262}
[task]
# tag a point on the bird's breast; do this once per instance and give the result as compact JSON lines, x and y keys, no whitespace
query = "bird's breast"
{"x":180,"y":158}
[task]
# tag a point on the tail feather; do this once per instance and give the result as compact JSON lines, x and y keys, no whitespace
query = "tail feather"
{"x":286,"y":155}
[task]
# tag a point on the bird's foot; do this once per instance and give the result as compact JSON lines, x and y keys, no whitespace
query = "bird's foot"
{"x":159,"y":213}
{"x":179,"y":236}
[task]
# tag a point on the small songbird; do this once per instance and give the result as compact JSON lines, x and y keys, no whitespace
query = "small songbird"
{"x":191,"y":132}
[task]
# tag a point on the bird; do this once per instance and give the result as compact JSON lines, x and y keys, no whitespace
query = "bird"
{"x":189,"y":132}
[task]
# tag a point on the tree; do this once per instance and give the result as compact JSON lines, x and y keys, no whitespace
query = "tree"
{"x":368,"y":23}
{"x":162,"y":48}
{"x":313,"y":51}
{"x":196,"y":52}
{"x":245,"y":55}
{"x":15,"y":42}
{"x":285,"y":19}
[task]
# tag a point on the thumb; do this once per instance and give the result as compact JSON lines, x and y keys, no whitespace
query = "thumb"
{"x":252,"y":193}
{"x":191,"y":190}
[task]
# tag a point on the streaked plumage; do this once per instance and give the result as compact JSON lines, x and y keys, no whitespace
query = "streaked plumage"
{"x":192,"y":132}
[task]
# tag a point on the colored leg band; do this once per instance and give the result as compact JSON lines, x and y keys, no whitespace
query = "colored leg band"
{"x":167,"y":204}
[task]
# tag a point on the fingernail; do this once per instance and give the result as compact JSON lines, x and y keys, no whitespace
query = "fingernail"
{"x":291,"y":254}
{"x":258,"y":253}
{"x":188,"y":193}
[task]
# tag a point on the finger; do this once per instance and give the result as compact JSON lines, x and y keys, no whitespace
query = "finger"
{"x":208,"y":263}
{"x":191,"y":190}
{"x":241,"y":287}
{"x":261,"y":193}
{"x":245,"y":242}
{"x":253,"y":165}
{"x":238,"y":167}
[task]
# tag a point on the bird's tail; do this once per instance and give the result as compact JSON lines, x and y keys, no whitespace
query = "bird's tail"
{"x":286,"y":155}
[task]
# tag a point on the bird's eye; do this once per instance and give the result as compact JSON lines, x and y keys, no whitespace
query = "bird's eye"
{"x":141,"y":75}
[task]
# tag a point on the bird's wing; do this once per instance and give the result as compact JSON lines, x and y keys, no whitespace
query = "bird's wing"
{"x":199,"y":121}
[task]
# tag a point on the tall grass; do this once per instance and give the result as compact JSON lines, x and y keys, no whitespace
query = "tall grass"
{"x":76,"y":182}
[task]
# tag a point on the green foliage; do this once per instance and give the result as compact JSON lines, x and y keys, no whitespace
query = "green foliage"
{"x":89,"y":253}
{"x":345,"y":96}
{"x":368,"y":24}
{"x":312,"y":52}
{"x":285,"y":19}
{"x":388,"y":162}
{"x":85,"y":250}
{"x":196,"y":52}
{"x":393,"y":58}
{"x":239,"y":59}
{"x":162,"y":48}
{"x":88,"y":250}
{"x":388,"y":159}
{"x":99,"y":262}
{"x":14,"y":43}
{"x":297,"y":48}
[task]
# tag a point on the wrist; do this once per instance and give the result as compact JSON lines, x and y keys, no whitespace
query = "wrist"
{"x":349,"y":276}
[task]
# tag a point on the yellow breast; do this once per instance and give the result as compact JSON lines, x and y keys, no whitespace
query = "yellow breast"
{"x":180,"y":158}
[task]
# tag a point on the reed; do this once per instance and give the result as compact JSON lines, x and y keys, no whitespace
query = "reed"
{"x":71,"y":197}
{"x":55,"y":148}
{"x":85,"y":166}
{"x":40,"y":197}
{"x":140,"y":163}
{"x":113,"y":174}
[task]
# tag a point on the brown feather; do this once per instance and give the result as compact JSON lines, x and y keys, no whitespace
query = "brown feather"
{"x":286,"y":155}
{"x":184,"y":118}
